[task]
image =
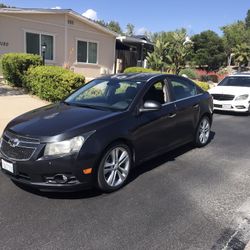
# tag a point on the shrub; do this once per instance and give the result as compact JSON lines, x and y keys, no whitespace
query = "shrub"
{"x":14,"y":66}
{"x":52,"y":83}
{"x":207,"y":78}
{"x":190,"y":73}
{"x":1,"y":68}
{"x":138,"y":70}
{"x":204,"y":85}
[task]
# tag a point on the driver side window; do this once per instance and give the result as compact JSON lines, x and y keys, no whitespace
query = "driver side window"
{"x":157,"y":92}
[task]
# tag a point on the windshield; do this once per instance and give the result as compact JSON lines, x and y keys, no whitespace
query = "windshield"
{"x":105,"y":94}
{"x":240,"y":81}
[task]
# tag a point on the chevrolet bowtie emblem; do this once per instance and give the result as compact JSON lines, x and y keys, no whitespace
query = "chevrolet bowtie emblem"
{"x":14,"y":142}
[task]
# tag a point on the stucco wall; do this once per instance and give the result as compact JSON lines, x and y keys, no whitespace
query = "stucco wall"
{"x":14,"y":26}
{"x":106,"y":49}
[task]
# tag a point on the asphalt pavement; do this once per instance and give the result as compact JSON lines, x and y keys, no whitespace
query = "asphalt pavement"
{"x":186,"y":199}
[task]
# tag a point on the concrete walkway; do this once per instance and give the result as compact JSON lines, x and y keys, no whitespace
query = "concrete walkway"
{"x":14,"y":102}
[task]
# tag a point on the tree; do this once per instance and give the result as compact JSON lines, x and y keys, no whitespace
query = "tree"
{"x":130,"y":29}
{"x":247,"y":20}
{"x":208,"y":50}
{"x":241,"y":54}
{"x":179,"y":50}
{"x":233,"y":35}
{"x":170,"y":52}
{"x":3,"y":5}
{"x":157,"y":59}
{"x":101,"y":22}
{"x":114,"y":26}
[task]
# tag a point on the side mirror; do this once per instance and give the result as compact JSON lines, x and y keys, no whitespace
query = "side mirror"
{"x":150,"y":106}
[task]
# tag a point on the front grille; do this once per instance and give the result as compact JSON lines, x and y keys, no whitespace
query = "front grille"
{"x":17,"y":147}
{"x":217,"y":106}
{"x":16,"y":153}
{"x":223,"y":97}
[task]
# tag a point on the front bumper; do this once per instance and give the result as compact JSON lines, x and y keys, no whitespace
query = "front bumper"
{"x":42,"y":174}
{"x":233,"y":106}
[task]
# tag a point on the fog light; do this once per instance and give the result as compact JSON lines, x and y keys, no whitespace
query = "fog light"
{"x":240,"y":107}
{"x":60,"y":178}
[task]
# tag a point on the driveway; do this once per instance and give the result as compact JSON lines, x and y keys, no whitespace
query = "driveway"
{"x":13,"y":102}
{"x":187,"y":199}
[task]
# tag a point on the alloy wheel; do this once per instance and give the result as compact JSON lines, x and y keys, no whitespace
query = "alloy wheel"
{"x":116,"y":166}
{"x":204,"y":130}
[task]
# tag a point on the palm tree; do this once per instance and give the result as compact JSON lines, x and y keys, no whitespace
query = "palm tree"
{"x":178,"y":51}
{"x":170,"y":51}
{"x":157,"y":59}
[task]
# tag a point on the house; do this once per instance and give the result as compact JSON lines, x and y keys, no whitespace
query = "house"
{"x":67,"y":38}
{"x":131,"y":51}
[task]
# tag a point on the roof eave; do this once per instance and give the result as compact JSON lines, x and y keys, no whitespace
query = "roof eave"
{"x":92,"y":23}
{"x":132,"y":39}
{"x":67,"y":12}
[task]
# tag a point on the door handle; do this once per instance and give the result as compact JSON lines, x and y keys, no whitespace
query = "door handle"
{"x":172,"y":115}
{"x":196,"y":106}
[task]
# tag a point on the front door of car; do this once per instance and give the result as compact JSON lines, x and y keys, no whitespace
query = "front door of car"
{"x":156,"y":130}
{"x":187,"y":102}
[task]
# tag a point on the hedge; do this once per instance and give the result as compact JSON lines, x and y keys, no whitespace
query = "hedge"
{"x":209,"y":78}
{"x":52,"y":83}
{"x":190,"y":73}
{"x":204,"y":85}
{"x":15,"y":65}
{"x":138,"y":70}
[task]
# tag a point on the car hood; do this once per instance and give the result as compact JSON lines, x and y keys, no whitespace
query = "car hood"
{"x":230,"y":90}
{"x":57,"y":119}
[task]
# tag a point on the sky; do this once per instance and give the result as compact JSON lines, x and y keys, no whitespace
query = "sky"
{"x":153,"y":16}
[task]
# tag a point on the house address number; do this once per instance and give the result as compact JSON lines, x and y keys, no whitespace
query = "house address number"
{"x":4,"y":44}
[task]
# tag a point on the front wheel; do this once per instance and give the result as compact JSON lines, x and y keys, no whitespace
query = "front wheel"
{"x":203,"y":132}
{"x":114,"y":168}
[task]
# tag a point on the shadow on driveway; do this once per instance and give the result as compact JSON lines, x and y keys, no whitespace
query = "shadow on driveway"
{"x":160,"y":160}
{"x":220,"y":112}
{"x":6,"y":90}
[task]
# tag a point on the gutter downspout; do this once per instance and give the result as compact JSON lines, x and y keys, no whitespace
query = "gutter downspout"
{"x":66,"y":39}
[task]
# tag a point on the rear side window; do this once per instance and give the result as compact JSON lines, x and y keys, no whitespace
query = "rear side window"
{"x":182,"y":88}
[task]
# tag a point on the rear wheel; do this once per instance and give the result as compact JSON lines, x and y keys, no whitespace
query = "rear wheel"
{"x":114,"y":168}
{"x":203,"y":132}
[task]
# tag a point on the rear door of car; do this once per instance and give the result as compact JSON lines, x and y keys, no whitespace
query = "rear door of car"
{"x":187,"y":98}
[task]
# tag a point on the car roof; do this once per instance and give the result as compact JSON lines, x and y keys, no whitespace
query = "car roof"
{"x":141,"y":77}
{"x":241,"y":74}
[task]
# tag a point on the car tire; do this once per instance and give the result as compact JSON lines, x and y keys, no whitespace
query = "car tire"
{"x":203,"y":131}
{"x":114,"y":167}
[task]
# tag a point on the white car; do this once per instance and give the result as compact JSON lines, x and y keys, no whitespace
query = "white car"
{"x":232,"y":93}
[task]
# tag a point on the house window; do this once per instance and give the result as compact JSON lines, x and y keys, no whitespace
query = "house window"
{"x":87,"y":52}
{"x":34,"y":41}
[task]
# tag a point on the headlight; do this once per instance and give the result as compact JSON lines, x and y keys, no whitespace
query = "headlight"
{"x":241,"y":97}
{"x":66,"y":147}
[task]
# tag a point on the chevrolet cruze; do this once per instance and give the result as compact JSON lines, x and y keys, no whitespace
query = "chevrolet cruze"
{"x":101,"y":131}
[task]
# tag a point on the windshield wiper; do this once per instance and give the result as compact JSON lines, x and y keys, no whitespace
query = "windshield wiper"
{"x":83,"y":105}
